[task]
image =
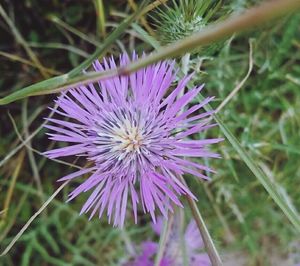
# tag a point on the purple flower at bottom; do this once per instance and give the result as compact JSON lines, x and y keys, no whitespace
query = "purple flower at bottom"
{"x":173,"y":255}
{"x":135,"y":137}
{"x":148,"y":251}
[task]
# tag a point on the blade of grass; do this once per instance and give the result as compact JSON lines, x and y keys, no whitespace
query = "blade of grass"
{"x":25,"y":143}
{"x":15,"y":239}
{"x":153,"y":5}
{"x":145,"y":36}
{"x":207,"y":240}
{"x":62,"y":46}
{"x":164,"y":238}
{"x":29,"y":147}
{"x":17,"y":58}
{"x":47,"y":85}
{"x":20,"y":146}
{"x":109,"y":40}
{"x":31,"y":157}
{"x":76,"y":32}
{"x":269,"y":186}
{"x":236,"y":23}
{"x":241,"y":83}
{"x":291,"y":214}
{"x":100,"y":12}
{"x":144,"y":22}
{"x":21,"y":41}
{"x":15,"y":175}
{"x":13,"y":217}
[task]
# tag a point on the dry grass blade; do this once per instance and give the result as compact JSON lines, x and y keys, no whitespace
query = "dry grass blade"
{"x":25,"y":143}
{"x":15,"y":175}
{"x":22,"y":41}
{"x":236,"y":23}
{"x":240,"y":84}
{"x":153,"y":5}
{"x":17,"y":58}
{"x":144,"y":22}
{"x":32,"y":160}
{"x":207,"y":240}
{"x":20,"y":146}
{"x":166,"y":230}
{"x":15,"y":239}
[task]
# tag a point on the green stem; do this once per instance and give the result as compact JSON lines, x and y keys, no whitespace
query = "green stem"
{"x":236,"y":23}
{"x":76,"y":32}
{"x":184,"y":254}
{"x":185,"y":60}
{"x":209,"y":244}
{"x":53,"y":45}
{"x":207,"y":240}
{"x":19,"y":38}
{"x":163,"y":239}
{"x":109,"y":41}
{"x":32,"y":218}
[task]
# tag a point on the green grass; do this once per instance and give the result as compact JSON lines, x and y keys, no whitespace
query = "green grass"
{"x":263,"y":119}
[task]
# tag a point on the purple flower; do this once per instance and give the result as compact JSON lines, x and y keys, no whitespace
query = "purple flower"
{"x":148,"y":251}
{"x":146,"y":258}
{"x":135,"y":137}
{"x":173,"y":255}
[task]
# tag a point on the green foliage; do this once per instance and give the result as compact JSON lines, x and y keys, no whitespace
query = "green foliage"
{"x":263,"y":120}
{"x":183,"y":18}
{"x":62,"y":237}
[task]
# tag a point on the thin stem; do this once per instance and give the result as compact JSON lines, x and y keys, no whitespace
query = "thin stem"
{"x":236,"y":23}
{"x":185,"y":61}
{"x":101,"y":23}
{"x":78,"y":33}
{"x":144,"y":22}
{"x":109,"y":40}
{"x":153,"y":5}
{"x":185,"y":259}
{"x":17,"y":58}
{"x":32,"y":218}
{"x":207,"y":240}
{"x":19,"y":38}
{"x":208,"y":243}
{"x":228,"y":233}
{"x":163,"y":239}
{"x":24,"y":142}
{"x":128,"y":243}
{"x":31,"y":157}
{"x":14,"y":177}
{"x":53,"y":45}
{"x":240,"y":84}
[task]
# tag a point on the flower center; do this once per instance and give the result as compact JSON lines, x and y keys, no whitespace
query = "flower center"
{"x":128,"y":139}
{"x":125,"y":137}
{"x":122,"y":136}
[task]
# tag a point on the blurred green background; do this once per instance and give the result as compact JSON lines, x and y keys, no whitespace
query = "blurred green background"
{"x":246,"y":225}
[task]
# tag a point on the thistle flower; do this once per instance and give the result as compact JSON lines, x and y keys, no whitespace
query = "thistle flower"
{"x":182,"y":18}
{"x":173,"y":255}
{"x":132,"y":135}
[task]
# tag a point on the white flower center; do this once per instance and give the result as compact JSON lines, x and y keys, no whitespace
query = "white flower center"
{"x":127,"y":138}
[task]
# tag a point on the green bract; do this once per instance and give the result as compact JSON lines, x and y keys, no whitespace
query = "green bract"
{"x":183,"y":18}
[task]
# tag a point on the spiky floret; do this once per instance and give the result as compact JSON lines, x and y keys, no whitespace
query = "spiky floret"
{"x":131,"y":131}
{"x":182,"y":18}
